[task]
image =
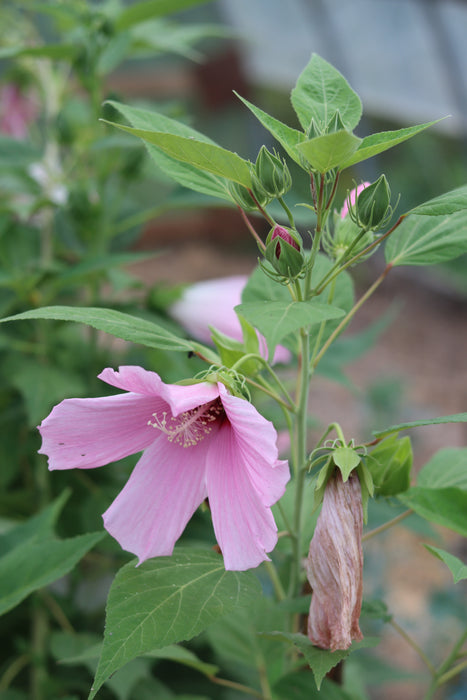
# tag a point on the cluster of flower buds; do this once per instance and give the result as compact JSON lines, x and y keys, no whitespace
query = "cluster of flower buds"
{"x":284,"y":252}
{"x":270,"y":178}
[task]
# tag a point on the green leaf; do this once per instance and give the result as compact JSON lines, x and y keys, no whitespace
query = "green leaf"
{"x":277,"y":319}
{"x":301,"y":686}
{"x":37,"y":526}
{"x":38,"y":559}
{"x":118,"y":324}
{"x":42,"y":385}
{"x":454,"y":418}
{"x":383,"y":141}
{"x":288,"y":138}
{"x":446,"y":506}
{"x":167,"y":600}
{"x":320,"y":92}
{"x":448,"y":467}
{"x":428,"y":240}
{"x":447,"y":203}
{"x":457,"y":567}
{"x":321,"y":661}
{"x":210,"y":157}
{"x":51,"y":51}
{"x":346,"y":459}
{"x":330,"y":150}
{"x":390,"y":465}
{"x":185,"y":174}
{"x":149,"y":9}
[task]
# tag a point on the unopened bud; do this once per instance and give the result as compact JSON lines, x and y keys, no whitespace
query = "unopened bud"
{"x":352,"y":198}
{"x":273,"y":173}
{"x":246,"y":198}
{"x":335,"y":566}
{"x":283,"y":251}
{"x":335,"y":123}
{"x":373,"y":203}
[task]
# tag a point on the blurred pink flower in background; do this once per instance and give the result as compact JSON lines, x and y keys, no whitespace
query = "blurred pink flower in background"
{"x":335,"y":566}
{"x":353,"y":198}
{"x":17,"y":111}
{"x":198,"y":442}
{"x":211,"y":303}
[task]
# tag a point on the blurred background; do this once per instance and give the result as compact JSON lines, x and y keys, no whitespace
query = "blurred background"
{"x":114,"y":230}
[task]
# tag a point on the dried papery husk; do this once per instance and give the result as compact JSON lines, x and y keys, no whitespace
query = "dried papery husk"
{"x":335,"y":566}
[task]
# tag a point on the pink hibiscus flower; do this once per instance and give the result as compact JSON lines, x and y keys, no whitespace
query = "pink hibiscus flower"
{"x":198,"y":442}
{"x":211,"y":303}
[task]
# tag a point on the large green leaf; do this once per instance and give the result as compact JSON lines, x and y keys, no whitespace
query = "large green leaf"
{"x":448,"y":467}
{"x":447,"y":203}
{"x":330,"y":150}
{"x":288,"y":138}
{"x":453,"y":418}
{"x":320,"y":92}
{"x":210,"y":157}
{"x":277,"y":319}
{"x":32,"y":557}
{"x":185,"y":174}
{"x":427,"y":240}
{"x":444,"y":506}
{"x":149,"y":9}
{"x":383,"y":141}
{"x":457,"y":567}
{"x":167,"y":600}
{"x":121,"y":325}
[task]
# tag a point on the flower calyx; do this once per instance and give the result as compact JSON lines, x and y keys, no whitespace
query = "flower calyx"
{"x":284,"y":252}
{"x":272,"y":173}
{"x":372,"y":209}
{"x":346,"y":458}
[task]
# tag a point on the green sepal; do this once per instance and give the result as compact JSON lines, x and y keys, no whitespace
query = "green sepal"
{"x":347,"y":459}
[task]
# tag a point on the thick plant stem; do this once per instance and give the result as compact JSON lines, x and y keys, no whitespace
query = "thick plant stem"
{"x":300,"y":452}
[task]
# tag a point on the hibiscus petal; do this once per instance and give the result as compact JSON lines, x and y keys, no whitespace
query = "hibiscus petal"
{"x":89,"y":433}
{"x":179,"y":397}
{"x":256,"y":440}
{"x":164,"y":490}
{"x":244,"y":527}
{"x":211,"y":303}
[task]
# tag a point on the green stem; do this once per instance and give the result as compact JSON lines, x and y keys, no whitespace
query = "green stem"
{"x":12,"y":671}
{"x":386,"y":526}
{"x":287,"y":211}
{"x":238,"y":686}
{"x":351,"y":314}
{"x":249,"y":226}
{"x":259,"y":358}
{"x":411,"y":642}
{"x":300,"y":461}
{"x":39,"y":634}
{"x":444,"y":672}
{"x":275,"y":580}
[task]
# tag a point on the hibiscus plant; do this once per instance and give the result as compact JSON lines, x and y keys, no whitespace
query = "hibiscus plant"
{"x":280,"y":589}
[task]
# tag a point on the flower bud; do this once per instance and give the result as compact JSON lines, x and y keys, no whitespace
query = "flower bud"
{"x":335,"y":566}
{"x":243,"y":197}
{"x":272,"y":173}
{"x":373,"y":204}
{"x":283,"y":251}
{"x":352,"y":198}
